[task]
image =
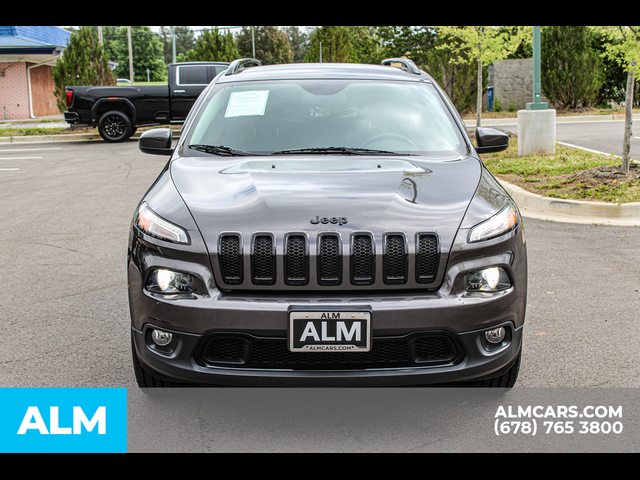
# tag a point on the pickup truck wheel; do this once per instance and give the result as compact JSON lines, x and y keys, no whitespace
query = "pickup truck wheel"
{"x":115,"y":126}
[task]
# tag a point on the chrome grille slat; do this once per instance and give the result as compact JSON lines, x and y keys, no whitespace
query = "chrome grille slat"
{"x":426,"y":257}
{"x":329,"y":259}
{"x":363,"y":259}
{"x":263,"y":259}
{"x":230,"y":254}
{"x":296,"y":260}
{"x":395,"y":259}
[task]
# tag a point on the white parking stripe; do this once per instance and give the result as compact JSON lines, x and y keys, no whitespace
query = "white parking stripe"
{"x":8,"y":169}
{"x":20,"y":158}
{"x":28,"y":149}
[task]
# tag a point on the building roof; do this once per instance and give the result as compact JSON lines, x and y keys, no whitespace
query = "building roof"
{"x":32,"y":39}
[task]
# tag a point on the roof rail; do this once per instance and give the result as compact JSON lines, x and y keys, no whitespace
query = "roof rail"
{"x":239,"y":65}
{"x":405,"y":64}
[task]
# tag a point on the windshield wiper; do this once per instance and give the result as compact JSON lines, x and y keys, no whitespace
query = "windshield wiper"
{"x":335,"y":151}
{"x":219,"y":150}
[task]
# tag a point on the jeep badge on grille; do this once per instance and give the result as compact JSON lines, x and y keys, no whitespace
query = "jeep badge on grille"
{"x":325,"y":220}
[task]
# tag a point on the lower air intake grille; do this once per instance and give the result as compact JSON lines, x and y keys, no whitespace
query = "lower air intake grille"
{"x":272,"y":353}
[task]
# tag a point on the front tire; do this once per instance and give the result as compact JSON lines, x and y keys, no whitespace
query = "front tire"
{"x":115,"y":126}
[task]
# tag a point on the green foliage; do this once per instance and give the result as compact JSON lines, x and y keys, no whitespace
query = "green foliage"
{"x":459,"y":79}
{"x":185,"y":41}
{"x":271,"y":44}
{"x":415,"y":43}
{"x":571,"y":69}
{"x":82,"y":64}
{"x":615,"y":78}
{"x":212,"y":46}
{"x":147,"y":50}
{"x":336,"y":45}
{"x":366,"y":47}
{"x":299,"y":42}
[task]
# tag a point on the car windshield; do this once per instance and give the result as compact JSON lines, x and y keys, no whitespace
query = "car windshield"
{"x":337,"y":117}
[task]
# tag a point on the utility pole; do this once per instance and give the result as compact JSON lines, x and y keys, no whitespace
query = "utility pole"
{"x":537,"y":123}
{"x":537,"y":103}
{"x":253,"y":41}
{"x":173,"y":41}
{"x":130,"y":55}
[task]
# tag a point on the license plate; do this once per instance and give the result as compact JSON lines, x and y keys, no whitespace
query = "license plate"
{"x":329,"y":331}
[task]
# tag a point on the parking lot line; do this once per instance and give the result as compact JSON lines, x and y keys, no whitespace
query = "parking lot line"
{"x":11,"y":150}
{"x":8,"y":169}
{"x":20,"y":158}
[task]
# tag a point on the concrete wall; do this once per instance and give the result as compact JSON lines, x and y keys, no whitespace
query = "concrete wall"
{"x":513,"y":82}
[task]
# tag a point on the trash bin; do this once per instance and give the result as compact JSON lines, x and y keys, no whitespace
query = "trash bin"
{"x":490,"y":96}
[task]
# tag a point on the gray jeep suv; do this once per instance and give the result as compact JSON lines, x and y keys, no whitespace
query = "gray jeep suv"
{"x":326,"y":225}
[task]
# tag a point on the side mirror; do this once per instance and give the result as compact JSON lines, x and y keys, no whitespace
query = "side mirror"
{"x":156,"y":142}
{"x":491,"y":140}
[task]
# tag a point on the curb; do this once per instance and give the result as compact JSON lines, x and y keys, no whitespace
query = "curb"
{"x":573,"y":211}
{"x":74,"y":137}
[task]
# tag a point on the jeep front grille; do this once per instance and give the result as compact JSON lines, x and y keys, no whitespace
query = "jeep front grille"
{"x":355,"y":261}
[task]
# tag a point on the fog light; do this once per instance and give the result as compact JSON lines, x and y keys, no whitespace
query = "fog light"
{"x":160,"y":338}
{"x":496,"y":335}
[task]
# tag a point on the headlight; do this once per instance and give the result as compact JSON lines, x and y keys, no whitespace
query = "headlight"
{"x":168,"y":282}
{"x":150,"y":223}
{"x":491,"y":279}
{"x":501,"y":223}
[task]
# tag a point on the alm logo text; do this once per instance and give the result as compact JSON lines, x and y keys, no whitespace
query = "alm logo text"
{"x":33,"y":420}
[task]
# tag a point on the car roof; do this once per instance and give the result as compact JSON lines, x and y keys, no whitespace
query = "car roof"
{"x":323,"y":71}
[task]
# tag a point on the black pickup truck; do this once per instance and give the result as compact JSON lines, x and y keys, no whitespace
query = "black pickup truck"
{"x":118,"y":111}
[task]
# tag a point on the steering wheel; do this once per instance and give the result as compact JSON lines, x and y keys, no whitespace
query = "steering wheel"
{"x":389,"y":136}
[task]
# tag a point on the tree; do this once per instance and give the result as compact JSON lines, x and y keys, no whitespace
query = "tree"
{"x":572,"y":72}
{"x":414,"y":43}
{"x":366,"y":45}
{"x":147,"y":53}
{"x":483,"y":45}
{"x":625,"y":48}
{"x":336,"y":45}
{"x":185,"y":41}
{"x":271,"y":45}
{"x":299,"y":42}
{"x":213,"y":46}
{"x":458,"y":79}
{"x":83,"y":63}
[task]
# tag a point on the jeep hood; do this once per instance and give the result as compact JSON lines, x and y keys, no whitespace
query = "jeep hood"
{"x":294,"y":194}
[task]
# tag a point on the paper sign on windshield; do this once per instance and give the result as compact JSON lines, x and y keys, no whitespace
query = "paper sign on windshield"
{"x":247,"y":103}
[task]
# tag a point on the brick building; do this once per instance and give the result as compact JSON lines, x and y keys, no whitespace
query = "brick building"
{"x":26,"y":81}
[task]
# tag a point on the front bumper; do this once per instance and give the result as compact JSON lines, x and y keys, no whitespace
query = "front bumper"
{"x":472,"y":362}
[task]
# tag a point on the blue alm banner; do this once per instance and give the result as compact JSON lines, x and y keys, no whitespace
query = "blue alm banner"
{"x":63,"y":420}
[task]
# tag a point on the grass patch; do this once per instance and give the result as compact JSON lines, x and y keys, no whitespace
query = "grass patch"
{"x":22,"y":132}
{"x":570,"y":173}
